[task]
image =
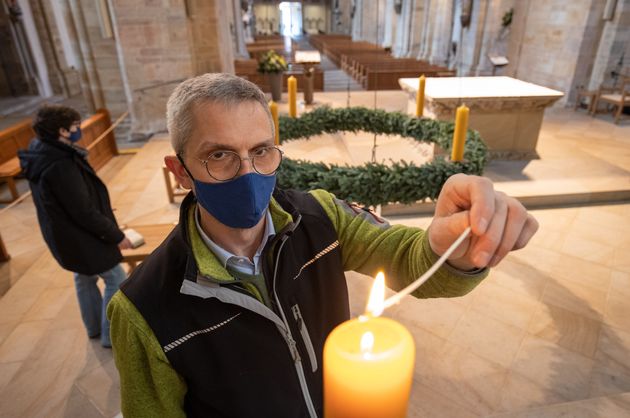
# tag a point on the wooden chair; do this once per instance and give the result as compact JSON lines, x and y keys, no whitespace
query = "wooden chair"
{"x":617,"y":97}
{"x":173,"y":188}
{"x":583,"y":93}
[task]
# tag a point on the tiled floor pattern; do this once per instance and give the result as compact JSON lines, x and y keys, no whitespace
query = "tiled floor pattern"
{"x":546,"y":335}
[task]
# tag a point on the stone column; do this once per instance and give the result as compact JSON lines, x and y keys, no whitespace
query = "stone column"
{"x":389,"y":20}
{"x":91,"y":83}
{"x":418,"y":8}
{"x":156,"y":53}
{"x":553,"y":42}
{"x":341,"y":13}
{"x":239,"y":30}
{"x":613,"y":52}
{"x":442,"y":32}
{"x":403,"y":29}
{"x":210,"y":36}
{"x":426,"y":28}
{"x":495,"y":37}
{"x":472,"y":39}
{"x":357,"y":20}
{"x":163,"y":42}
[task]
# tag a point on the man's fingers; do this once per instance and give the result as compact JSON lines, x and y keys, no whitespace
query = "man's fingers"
{"x":462,"y":192}
{"x":444,"y":231}
{"x":488,"y":243}
{"x":530,"y":228}
{"x":483,"y":205}
{"x":499,"y":223}
{"x":515,"y":222}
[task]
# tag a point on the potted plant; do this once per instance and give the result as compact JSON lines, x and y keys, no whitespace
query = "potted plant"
{"x":273,"y":65}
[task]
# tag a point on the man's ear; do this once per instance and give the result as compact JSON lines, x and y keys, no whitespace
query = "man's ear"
{"x":175,"y":166}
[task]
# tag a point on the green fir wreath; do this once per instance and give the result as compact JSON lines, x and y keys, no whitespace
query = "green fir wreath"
{"x":376,"y":183}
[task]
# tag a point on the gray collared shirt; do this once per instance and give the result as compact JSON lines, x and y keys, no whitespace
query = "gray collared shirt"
{"x":241,"y":264}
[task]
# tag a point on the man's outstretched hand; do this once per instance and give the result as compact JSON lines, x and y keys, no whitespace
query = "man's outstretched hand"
{"x":499,"y":223}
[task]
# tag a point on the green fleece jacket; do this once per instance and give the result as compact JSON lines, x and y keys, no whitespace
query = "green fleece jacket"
{"x":150,"y":387}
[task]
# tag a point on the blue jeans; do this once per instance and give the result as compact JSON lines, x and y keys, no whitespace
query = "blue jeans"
{"x":92,"y":305}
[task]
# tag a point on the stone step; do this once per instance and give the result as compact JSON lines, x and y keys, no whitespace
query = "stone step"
{"x":541,"y":194}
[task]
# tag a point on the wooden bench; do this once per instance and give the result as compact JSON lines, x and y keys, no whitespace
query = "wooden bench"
{"x":153,"y":236}
{"x":18,"y":136}
{"x":12,"y":139}
{"x":318,"y":41}
{"x":8,"y":171}
{"x":388,"y":79}
{"x":101,"y":149}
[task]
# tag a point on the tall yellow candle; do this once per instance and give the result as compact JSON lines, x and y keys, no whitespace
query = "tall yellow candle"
{"x":420,"y":96}
{"x":292,"y":87}
{"x":273,"y":107}
{"x":368,"y":369}
{"x":459,"y":136}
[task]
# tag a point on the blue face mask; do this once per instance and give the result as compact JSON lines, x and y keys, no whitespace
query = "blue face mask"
{"x":75,"y":136}
{"x":238,"y":203}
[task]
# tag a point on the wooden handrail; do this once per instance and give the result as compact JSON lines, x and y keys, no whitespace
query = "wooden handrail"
{"x":15,"y":202}
{"x":108,"y":130}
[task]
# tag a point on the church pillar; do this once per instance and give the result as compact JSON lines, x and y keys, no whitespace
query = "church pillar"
{"x":472,"y":38}
{"x":418,"y":8}
{"x":613,"y":51}
{"x":239,"y":30}
{"x":401,"y":44}
{"x":357,"y":20}
{"x":426,"y":28}
{"x":389,"y":18}
{"x":164,"y":42}
{"x":442,"y":31}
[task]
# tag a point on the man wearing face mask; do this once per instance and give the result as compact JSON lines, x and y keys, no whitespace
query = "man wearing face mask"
{"x":228,"y":317}
{"x":74,"y":213}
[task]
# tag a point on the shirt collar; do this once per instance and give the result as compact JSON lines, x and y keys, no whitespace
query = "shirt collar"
{"x":224,"y":255}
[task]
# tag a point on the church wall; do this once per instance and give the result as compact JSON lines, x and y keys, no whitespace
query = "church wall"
{"x":418,"y":9}
{"x":210,"y":38}
{"x":613,"y":53}
{"x":267,"y":18}
{"x":552,"y":37}
{"x":343,"y":23}
{"x":155,"y":51}
{"x":494,"y":41}
{"x":369,"y":21}
{"x":99,"y":59}
{"x":314,"y":17}
{"x":45,"y":32}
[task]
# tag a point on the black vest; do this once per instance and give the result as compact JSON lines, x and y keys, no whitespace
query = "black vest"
{"x":236,"y":362}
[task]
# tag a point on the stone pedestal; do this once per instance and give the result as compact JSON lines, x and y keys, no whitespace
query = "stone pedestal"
{"x":508,"y":113}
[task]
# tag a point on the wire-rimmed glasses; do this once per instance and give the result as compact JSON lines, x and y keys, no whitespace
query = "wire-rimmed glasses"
{"x":224,"y":165}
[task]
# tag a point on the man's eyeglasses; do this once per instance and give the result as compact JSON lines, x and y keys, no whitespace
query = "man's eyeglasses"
{"x":223,"y":165}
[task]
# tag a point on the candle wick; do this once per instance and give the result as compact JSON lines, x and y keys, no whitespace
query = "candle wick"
{"x":396,"y":298}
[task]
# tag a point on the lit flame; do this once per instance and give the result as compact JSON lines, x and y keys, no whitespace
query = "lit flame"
{"x":367,"y":342}
{"x":375,"y":304}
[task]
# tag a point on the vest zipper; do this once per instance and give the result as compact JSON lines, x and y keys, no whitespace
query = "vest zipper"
{"x":291,"y":342}
{"x":305,"y":336}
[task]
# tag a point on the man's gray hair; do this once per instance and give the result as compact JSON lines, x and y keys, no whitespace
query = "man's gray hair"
{"x":207,"y":88}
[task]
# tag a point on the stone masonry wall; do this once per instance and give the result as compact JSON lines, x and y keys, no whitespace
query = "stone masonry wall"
{"x":156,"y":55}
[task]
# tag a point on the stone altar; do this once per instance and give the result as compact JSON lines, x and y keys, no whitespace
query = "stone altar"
{"x":507,"y":112}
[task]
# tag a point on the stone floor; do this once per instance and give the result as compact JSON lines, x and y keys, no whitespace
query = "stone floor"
{"x":546,"y":335}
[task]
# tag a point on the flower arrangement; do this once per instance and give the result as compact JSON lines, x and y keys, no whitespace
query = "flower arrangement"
{"x":271,"y":62}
